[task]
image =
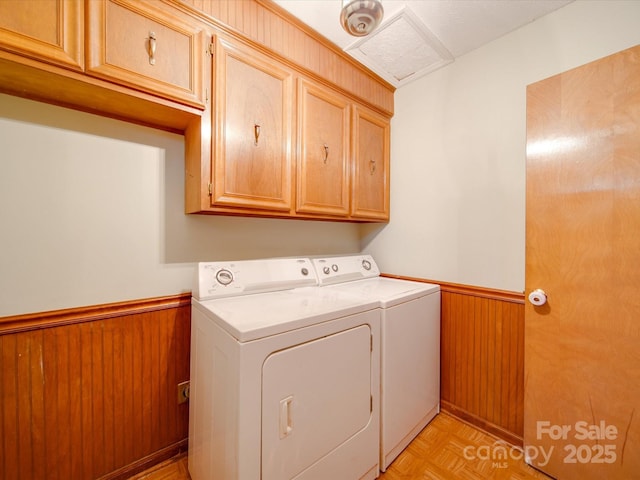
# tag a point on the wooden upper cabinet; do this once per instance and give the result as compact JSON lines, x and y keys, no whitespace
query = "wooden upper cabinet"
{"x":370,"y":186}
{"x":268,"y":136}
{"x":284,"y":144}
{"x":46,"y":30}
{"x":323,"y":151}
{"x":148,"y":46}
{"x":252,"y":130}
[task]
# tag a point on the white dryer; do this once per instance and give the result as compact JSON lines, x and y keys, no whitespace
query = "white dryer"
{"x":410,"y":353}
{"x":285,"y":377}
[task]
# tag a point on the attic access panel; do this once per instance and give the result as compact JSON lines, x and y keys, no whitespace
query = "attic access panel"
{"x":403,"y":47}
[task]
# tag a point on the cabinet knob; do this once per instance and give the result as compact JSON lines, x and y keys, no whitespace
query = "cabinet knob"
{"x":372,"y":166}
{"x":152,"y":48}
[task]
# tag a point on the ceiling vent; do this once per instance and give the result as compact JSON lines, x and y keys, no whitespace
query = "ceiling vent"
{"x":403,"y":47}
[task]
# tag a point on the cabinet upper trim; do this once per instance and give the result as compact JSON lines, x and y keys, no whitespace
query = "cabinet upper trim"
{"x":358,"y":82}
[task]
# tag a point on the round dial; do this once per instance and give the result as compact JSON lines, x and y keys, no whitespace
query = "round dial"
{"x":224,"y":277}
{"x":366,"y":264}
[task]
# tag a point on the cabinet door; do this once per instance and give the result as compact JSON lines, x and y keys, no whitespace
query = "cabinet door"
{"x":370,"y":187}
{"x":252,"y":130}
{"x":48,"y":30}
{"x":323,"y":151}
{"x":146,"y":46}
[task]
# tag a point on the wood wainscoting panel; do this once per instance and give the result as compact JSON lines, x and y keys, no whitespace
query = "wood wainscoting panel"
{"x":96,"y":396}
{"x":482,"y":360}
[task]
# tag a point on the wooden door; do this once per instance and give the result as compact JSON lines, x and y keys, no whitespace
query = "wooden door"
{"x":253,"y":130}
{"x":370,"y":186}
{"x":148,"y":46}
{"x":43,"y":29}
{"x":582,"y":348}
{"x":323,"y":155}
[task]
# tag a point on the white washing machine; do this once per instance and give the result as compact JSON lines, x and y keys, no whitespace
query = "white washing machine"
{"x":410,"y":353}
{"x":285,"y":376}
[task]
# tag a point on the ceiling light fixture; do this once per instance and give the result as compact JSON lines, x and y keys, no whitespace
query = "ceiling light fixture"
{"x":361,"y":17}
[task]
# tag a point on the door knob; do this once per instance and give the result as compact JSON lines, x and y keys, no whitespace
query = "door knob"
{"x":538,"y":297}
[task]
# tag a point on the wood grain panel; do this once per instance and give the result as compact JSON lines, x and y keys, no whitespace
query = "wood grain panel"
{"x":323,"y":151}
{"x":582,"y":223}
{"x":254,"y":130}
{"x":119,"y":49}
{"x":50,"y":31}
{"x":269,"y":25}
{"x":96,"y":397}
{"x":482,"y":361}
{"x":371,"y":136}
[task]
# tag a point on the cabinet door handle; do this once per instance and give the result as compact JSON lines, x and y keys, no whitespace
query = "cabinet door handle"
{"x":326,"y":152}
{"x":256,"y":133}
{"x":372,"y":166}
{"x":152,"y":48}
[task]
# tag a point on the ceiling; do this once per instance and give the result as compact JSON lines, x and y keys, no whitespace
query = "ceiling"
{"x":417,"y":37}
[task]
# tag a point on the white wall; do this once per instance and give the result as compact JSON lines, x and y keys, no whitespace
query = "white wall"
{"x":91,"y":211}
{"x":458,"y":148}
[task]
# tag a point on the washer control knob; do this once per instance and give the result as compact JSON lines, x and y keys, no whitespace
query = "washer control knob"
{"x":366,"y":264}
{"x":334,"y":267}
{"x":326,"y":270}
{"x":224,"y":277}
{"x":304,"y":271}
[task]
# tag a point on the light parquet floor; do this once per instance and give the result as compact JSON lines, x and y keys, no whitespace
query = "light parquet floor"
{"x":447,"y":449}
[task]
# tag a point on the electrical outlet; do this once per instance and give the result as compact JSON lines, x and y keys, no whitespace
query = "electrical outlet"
{"x":183,"y":392}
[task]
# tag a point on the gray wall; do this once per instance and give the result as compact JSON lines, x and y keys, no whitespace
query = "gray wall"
{"x":91,"y":211}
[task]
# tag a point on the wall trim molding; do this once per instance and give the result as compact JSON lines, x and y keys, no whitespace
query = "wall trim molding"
{"x":147,"y":462}
{"x":33,"y":321}
{"x":68,"y":316}
{"x":490,"y":428}
{"x":474,"y":291}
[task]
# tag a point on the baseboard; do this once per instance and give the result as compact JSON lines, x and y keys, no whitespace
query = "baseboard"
{"x":147,"y":462}
{"x":482,"y":424}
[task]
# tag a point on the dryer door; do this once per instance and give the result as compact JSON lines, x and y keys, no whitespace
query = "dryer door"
{"x":315,"y":397}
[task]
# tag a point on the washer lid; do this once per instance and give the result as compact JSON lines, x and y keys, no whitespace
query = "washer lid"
{"x":251,"y":317}
{"x":388,"y":291}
